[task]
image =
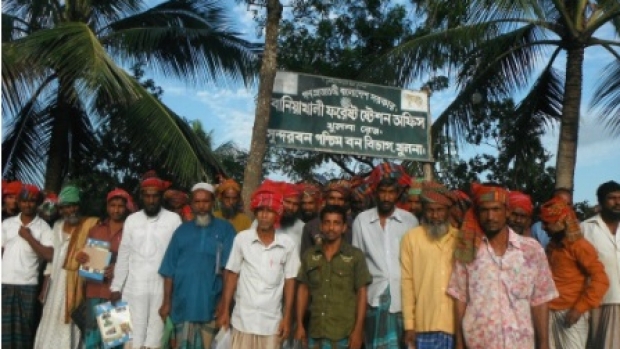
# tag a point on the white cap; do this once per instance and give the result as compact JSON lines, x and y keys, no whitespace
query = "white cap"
{"x":203,"y":186}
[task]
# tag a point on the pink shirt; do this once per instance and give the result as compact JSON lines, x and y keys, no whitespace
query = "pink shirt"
{"x":499,"y":292}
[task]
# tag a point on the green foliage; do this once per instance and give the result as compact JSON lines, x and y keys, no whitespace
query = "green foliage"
{"x":513,"y":154}
{"x":497,"y":49}
{"x":116,"y":161}
{"x":337,"y":39}
{"x":61,"y":79}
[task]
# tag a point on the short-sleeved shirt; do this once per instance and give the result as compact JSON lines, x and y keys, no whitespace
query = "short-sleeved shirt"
{"x":20,"y":263}
{"x":191,"y":260}
{"x":499,"y":292}
{"x":333,"y":287}
{"x":262,"y":271}
{"x":293,"y":231}
{"x":312,"y":231}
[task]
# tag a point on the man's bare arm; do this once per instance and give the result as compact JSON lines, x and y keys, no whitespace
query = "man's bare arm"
{"x":540,"y":316}
{"x":459,"y":314}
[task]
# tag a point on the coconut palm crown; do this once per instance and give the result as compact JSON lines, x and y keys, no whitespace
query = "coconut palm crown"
{"x":62,"y":76}
{"x":504,"y":48}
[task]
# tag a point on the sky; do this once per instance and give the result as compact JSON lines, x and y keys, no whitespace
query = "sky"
{"x":227,"y":108}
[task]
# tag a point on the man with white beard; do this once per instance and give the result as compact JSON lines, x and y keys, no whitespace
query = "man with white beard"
{"x":146,"y":235}
{"x":426,"y":265}
{"x":192,"y":269}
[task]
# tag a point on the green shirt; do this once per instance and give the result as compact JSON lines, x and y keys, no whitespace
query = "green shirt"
{"x":333,"y":287}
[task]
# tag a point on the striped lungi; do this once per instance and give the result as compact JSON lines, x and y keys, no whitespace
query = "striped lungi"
{"x":604,"y":327}
{"x":383,"y":330}
{"x":241,"y":340}
{"x":18,"y":316}
{"x":563,"y":337}
{"x":195,"y":335}
{"x":434,"y":340}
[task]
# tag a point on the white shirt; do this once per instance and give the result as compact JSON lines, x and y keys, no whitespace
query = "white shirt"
{"x":608,"y":247}
{"x":144,"y":243}
{"x":262,"y":271}
{"x":20,"y":263}
{"x":382,"y":250}
{"x":295,"y":231}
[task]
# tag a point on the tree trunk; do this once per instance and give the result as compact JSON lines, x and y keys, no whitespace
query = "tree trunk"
{"x":569,"y":128}
{"x":58,"y":156}
{"x":258,"y":147}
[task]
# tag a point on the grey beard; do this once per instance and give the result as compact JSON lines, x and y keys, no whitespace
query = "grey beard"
{"x":73,"y":219}
{"x":203,"y":220}
{"x":437,"y":231}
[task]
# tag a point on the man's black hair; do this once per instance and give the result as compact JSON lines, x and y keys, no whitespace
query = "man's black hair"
{"x":605,"y":189}
{"x":334,"y":209}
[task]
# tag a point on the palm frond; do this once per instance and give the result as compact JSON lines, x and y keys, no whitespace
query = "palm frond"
{"x":73,"y":52}
{"x":154,"y":128}
{"x":483,"y":11}
{"x":545,"y":99}
{"x":105,"y":12}
{"x":422,"y":54}
{"x":189,"y":39}
{"x":605,"y":12}
{"x":505,"y":62}
{"x":606,"y":100}
{"x":497,"y":69}
{"x":38,"y":14}
{"x":26,"y":135}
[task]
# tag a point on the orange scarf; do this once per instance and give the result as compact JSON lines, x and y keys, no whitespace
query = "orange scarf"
{"x":471,"y":234}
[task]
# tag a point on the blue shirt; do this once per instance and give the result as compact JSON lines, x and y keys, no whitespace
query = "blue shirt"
{"x":540,"y":234}
{"x":190,"y":261}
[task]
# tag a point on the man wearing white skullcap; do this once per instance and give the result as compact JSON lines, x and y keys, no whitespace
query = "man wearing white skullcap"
{"x":192,"y":269}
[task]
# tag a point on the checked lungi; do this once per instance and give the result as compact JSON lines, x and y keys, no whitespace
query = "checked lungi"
{"x":18,"y":316}
{"x":434,"y":340}
{"x":193,"y":335}
{"x":383,"y":330}
{"x":321,"y":343}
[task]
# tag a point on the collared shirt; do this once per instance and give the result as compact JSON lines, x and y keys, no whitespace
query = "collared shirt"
{"x":578,"y":274}
{"x":194,"y":261}
{"x":20,"y":263}
{"x":426,"y":266}
{"x":499,"y":292}
{"x":539,"y":234}
{"x":240,"y":221}
{"x":142,"y":249}
{"x":102,"y":232}
{"x":294,"y":231}
{"x":333,"y":287}
{"x":312,"y":232}
{"x":262,"y":271}
{"x":381,"y":246}
{"x":608,"y":247}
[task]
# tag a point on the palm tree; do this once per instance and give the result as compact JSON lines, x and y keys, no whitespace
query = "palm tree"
{"x":500,"y":48}
{"x":62,"y":75}
{"x":258,"y":146}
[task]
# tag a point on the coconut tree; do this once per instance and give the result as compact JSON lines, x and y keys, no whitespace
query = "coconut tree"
{"x":506,"y":48}
{"x":62,"y":75}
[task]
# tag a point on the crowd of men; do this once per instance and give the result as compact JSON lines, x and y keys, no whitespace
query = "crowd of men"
{"x":386,"y":261}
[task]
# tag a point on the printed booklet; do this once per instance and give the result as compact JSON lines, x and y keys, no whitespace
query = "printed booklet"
{"x":99,"y":255}
{"x":114,"y":323}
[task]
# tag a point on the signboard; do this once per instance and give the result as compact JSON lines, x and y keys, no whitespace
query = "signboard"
{"x":348,"y":117}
